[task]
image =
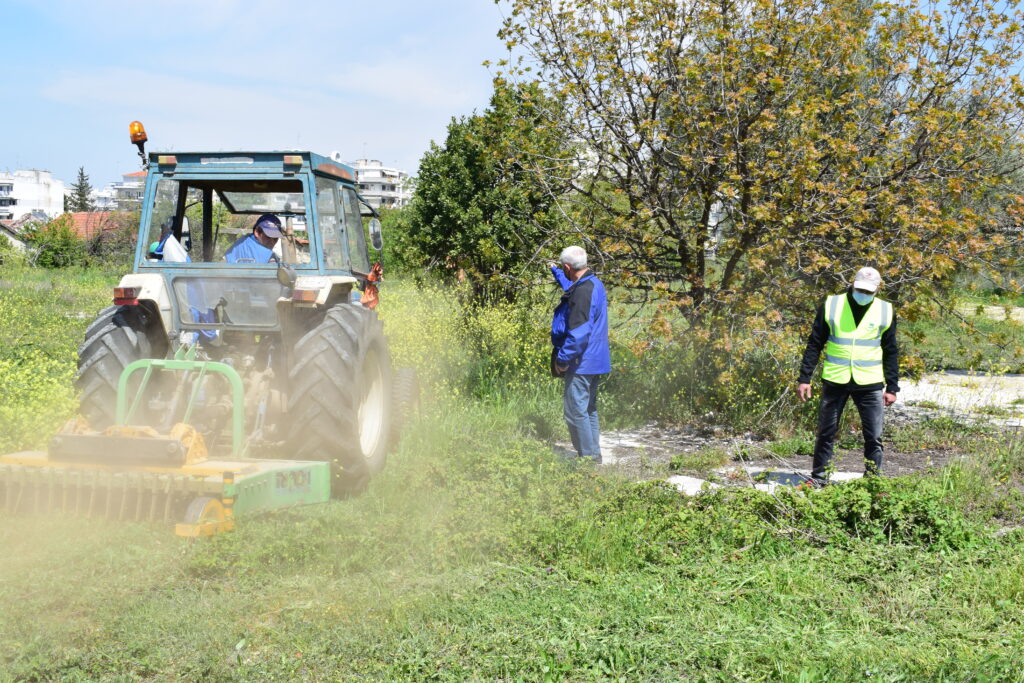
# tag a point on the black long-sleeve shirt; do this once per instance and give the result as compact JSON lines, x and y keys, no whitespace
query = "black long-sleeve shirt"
{"x":819,"y":335}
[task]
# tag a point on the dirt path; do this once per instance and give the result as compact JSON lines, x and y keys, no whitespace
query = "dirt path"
{"x":689,"y":456}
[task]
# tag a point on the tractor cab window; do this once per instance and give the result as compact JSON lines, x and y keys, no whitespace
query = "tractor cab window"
{"x":354,"y":232}
{"x":196,"y":221}
{"x":330,"y":217}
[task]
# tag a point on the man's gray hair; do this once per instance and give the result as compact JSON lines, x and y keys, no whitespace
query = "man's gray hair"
{"x":574,"y":257}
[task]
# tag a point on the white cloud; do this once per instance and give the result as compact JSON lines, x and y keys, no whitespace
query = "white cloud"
{"x":186,"y":114}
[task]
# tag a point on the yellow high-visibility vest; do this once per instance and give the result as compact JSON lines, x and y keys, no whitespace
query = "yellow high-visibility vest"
{"x":855,"y":350}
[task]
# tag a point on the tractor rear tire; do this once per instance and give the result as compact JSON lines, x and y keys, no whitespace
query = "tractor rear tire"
{"x":339,"y":399}
{"x":115,"y":339}
{"x":405,"y":397}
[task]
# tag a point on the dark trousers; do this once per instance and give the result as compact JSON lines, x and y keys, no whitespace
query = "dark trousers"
{"x":869,"y":405}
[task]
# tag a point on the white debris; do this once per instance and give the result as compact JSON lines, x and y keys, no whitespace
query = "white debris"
{"x":691,"y":486}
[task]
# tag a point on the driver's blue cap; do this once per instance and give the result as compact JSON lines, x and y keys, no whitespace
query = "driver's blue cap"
{"x":269,"y":224}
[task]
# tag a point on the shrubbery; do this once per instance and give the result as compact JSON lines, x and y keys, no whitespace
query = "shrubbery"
{"x":43,"y":315}
{"x":55,"y":244}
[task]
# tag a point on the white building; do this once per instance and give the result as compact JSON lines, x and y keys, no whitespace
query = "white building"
{"x":123,"y":196}
{"x":104,"y":199}
{"x":25,"y":192}
{"x":380,"y":186}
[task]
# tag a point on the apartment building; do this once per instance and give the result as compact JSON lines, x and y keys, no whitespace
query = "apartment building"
{"x":122,"y":196}
{"x":31,"y":191}
{"x":380,"y":185}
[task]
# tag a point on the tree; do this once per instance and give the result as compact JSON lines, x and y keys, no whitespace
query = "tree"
{"x":55,"y":244}
{"x":479,"y":212}
{"x":79,"y":198}
{"x":742,"y":158}
{"x":113,"y":244}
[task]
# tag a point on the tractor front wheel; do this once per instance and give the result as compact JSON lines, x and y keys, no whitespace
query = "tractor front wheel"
{"x":339,"y":399}
{"x":118,"y":337}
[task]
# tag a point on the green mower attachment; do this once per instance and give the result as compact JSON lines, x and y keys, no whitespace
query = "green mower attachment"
{"x":130,"y":472}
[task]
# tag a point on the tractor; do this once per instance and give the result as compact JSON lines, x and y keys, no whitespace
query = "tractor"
{"x":228,"y":342}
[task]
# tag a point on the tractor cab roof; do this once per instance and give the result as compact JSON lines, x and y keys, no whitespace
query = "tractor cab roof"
{"x":284,"y":161}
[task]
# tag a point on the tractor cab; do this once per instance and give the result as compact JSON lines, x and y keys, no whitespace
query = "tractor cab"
{"x":202,"y":265}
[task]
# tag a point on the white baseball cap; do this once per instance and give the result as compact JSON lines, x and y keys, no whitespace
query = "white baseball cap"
{"x":867,"y":279}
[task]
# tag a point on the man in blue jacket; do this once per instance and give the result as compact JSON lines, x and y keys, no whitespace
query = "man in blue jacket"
{"x":257,"y":247}
{"x":579,"y":335}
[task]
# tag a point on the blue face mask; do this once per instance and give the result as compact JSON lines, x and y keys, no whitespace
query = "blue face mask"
{"x":862,"y":298}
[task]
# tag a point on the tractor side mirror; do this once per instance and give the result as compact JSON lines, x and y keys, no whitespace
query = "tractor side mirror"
{"x":376,"y":238}
{"x":286,"y":276}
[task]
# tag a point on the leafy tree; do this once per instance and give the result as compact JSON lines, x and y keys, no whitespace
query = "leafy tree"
{"x":743,"y":158}
{"x":479,"y":212}
{"x":79,"y":200}
{"x":55,"y":244}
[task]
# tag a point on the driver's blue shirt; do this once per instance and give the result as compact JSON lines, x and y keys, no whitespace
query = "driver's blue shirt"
{"x":247,"y":249}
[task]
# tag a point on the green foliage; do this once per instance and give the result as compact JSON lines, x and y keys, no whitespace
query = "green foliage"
{"x":56,"y":244}
{"x":966,"y":339}
{"x":478,"y":213}
{"x":79,"y":200}
{"x":740,"y":160}
{"x":8,"y":254}
{"x":794,"y":445}
{"x":701,"y":461}
{"x":400,"y":254}
{"x":43,"y":315}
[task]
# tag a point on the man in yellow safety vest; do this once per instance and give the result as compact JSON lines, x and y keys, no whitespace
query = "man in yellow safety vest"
{"x":857,"y":331}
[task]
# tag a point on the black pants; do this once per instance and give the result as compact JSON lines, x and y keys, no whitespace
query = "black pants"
{"x":869,"y":405}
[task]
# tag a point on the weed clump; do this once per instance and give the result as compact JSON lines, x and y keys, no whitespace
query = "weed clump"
{"x":652,"y":524}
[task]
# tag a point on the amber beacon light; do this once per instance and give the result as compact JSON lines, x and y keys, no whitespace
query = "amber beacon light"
{"x":138,"y":132}
{"x":139,"y":138}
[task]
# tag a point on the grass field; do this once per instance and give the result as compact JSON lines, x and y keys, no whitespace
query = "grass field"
{"x":478,"y":555}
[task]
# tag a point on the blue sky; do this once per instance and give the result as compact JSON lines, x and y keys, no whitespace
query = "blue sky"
{"x":372,"y":78}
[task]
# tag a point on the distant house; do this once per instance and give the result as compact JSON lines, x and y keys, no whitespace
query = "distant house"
{"x":89,"y":225}
{"x":11,"y":235}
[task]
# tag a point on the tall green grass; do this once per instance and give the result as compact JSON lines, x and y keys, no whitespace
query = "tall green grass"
{"x":478,"y":554}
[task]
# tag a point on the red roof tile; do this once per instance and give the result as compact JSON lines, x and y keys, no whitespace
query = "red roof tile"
{"x":88,"y":224}
{"x":136,"y":174}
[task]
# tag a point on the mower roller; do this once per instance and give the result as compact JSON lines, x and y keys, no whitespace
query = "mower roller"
{"x":246,"y":328}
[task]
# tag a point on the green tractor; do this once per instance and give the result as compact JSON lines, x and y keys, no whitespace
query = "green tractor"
{"x":255,"y":264}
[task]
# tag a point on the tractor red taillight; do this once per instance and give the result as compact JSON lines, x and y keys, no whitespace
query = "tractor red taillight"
{"x":305,"y":296}
{"x":126,"y":296}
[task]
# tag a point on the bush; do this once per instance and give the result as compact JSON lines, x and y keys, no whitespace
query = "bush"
{"x":113,"y":246}
{"x":55,"y":243}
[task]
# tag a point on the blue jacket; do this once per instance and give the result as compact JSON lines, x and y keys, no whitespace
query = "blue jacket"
{"x":579,"y":327}
{"x":247,"y":250}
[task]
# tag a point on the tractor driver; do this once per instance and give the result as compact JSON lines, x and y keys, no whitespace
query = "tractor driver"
{"x":259,"y":246}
